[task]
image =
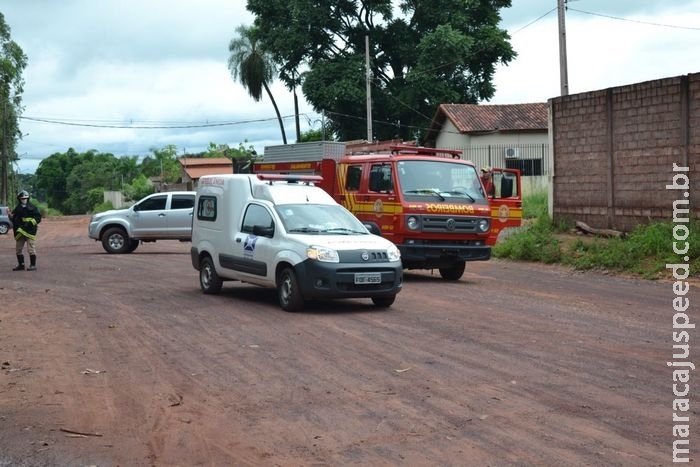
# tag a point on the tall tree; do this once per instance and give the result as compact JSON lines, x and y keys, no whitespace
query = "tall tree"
{"x":423,"y":53}
{"x":12,"y":64}
{"x":255,"y":68}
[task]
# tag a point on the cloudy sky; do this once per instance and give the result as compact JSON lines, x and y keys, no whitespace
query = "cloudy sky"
{"x":126,"y":76}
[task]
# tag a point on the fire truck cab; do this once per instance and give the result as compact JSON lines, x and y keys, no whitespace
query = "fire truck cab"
{"x":429,"y":202}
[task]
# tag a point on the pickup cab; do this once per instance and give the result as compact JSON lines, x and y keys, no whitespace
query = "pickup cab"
{"x":159,"y":216}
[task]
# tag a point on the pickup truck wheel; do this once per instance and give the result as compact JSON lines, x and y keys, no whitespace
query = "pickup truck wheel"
{"x":209,"y":280}
{"x":4,"y":228}
{"x":133,"y":245}
{"x":115,"y":240}
{"x":454,"y":272}
{"x":288,"y":291}
{"x":383,"y":302}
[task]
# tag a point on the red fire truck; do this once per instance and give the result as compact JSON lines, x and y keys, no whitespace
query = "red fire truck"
{"x":429,"y":202}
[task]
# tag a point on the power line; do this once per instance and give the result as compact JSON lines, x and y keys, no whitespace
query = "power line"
{"x":633,"y":20}
{"x":534,"y":21}
{"x":150,"y":127}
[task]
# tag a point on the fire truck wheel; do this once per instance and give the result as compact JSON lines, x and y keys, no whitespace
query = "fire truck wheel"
{"x":454,"y":272}
{"x":383,"y":302}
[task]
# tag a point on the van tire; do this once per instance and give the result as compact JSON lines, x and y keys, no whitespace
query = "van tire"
{"x":288,"y":291}
{"x":454,"y":272}
{"x":209,"y":280}
{"x":116,"y":241}
{"x":383,"y":302}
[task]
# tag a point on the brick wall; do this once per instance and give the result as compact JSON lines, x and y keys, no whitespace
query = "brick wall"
{"x":614,"y":149}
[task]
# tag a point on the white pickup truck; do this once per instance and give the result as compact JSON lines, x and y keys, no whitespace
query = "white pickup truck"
{"x":160,"y":216}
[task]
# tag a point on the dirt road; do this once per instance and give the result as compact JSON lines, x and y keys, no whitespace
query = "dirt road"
{"x":120,"y":360}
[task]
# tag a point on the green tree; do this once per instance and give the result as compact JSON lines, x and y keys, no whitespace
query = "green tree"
{"x":163,"y":163}
{"x":92,"y":171}
{"x":423,"y":53}
{"x":241,"y":157}
{"x":253,"y":67}
{"x":12,"y":64}
{"x":137,"y":189}
{"x":67,"y":181}
{"x":51,"y":176}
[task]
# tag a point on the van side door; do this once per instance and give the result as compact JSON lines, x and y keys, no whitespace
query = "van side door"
{"x":253,"y":247}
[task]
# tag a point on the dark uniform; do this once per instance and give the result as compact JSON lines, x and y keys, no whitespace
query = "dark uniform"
{"x":25,"y":219}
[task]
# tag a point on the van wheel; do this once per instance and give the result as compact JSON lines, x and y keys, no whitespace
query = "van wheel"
{"x":383,"y":302}
{"x":116,"y":241}
{"x":288,"y":291}
{"x":454,"y":272}
{"x":209,"y":280}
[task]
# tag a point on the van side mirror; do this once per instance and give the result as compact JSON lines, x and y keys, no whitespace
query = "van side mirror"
{"x":264,"y":231}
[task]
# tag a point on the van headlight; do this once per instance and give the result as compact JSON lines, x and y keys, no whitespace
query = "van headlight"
{"x":484,"y":225}
{"x":393,"y":253}
{"x":323,"y":254}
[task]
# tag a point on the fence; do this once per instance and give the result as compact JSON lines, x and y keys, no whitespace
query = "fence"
{"x":532,"y":160}
{"x":614,"y":151}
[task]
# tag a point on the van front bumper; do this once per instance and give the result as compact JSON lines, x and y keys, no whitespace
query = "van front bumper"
{"x":338,"y":280}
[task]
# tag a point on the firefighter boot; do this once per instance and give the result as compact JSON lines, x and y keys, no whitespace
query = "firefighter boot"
{"x":20,"y":263}
{"x":32,"y":263}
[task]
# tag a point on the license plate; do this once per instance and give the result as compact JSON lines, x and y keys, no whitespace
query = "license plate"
{"x":368,"y":278}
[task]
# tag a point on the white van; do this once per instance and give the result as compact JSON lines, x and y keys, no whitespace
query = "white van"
{"x":281,"y":231}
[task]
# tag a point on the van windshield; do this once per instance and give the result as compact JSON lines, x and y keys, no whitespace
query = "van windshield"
{"x":319,"y":219}
{"x":439,"y":179}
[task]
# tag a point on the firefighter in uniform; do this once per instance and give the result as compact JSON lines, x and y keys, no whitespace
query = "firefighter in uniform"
{"x":25,"y":219}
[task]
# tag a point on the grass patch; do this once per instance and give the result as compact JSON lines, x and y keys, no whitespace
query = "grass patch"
{"x":644,"y":252}
{"x":535,"y":205}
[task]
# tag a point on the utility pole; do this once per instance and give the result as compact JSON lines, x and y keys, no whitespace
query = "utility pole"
{"x":563,"y":73}
{"x":368,"y":79}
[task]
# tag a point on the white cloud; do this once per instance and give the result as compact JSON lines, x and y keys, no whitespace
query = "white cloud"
{"x":602,"y":52}
{"x":162,"y":62}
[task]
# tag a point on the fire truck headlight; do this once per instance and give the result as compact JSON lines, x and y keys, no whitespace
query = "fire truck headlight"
{"x":323,"y":254}
{"x":484,"y":225}
{"x":412,"y":223}
{"x":393,"y":253}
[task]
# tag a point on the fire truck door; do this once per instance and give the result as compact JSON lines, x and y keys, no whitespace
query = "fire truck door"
{"x":379,"y":200}
{"x":506,"y":203}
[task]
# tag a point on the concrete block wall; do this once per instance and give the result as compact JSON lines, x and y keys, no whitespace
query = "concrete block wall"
{"x":614,"y":149}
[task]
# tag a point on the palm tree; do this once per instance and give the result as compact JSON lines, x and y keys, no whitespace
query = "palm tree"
{"x":253,"y":67}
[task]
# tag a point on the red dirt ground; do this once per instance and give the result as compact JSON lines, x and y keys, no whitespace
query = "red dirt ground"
{"x":120,"y":360}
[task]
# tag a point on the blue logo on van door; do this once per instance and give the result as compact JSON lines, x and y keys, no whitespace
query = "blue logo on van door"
{"x":249,"y":244}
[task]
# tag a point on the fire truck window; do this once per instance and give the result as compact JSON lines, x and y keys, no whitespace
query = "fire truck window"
{"x":380,"y":178}
{"x":352,"y":180}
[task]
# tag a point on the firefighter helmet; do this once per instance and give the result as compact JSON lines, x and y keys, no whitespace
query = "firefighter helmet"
{"x":23,"y":194}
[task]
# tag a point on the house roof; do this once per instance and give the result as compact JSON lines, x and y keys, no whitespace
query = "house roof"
{"x":476,"y":118}
{"x":195,"y":167}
